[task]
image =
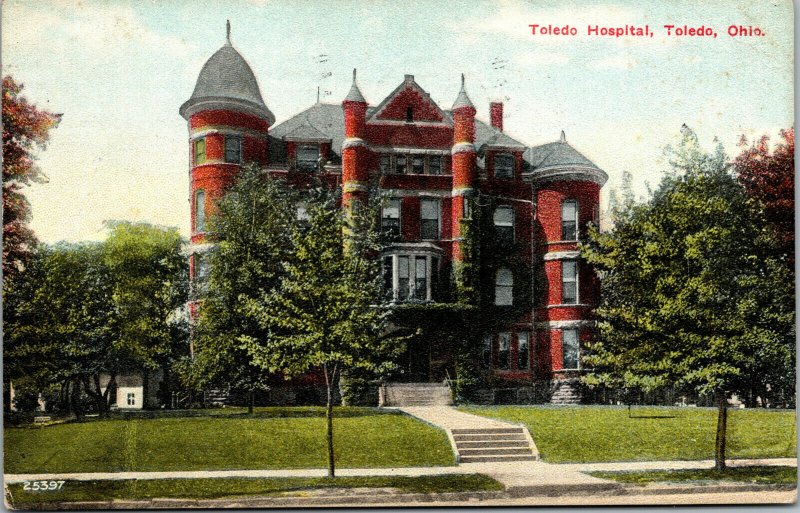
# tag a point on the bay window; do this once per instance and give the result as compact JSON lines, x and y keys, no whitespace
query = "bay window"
{"x":410,"y":277}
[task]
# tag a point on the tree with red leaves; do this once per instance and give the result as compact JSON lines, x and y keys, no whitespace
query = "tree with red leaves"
{"x":25,"y":128}
{"x":768,"y":177}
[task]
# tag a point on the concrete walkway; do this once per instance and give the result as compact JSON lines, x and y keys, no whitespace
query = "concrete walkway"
{"x":448,"y":418}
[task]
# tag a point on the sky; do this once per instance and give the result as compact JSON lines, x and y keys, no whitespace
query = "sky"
{"x":118,"y":71}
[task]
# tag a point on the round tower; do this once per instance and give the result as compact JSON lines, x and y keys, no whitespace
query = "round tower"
{"x":228,"y":125}
{"x":463,"y":157}
{"x":354,"y":150}
{"x":567,"y":196}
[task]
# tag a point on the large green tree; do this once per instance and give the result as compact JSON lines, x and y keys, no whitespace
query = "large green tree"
{"x":78,"y":312}
{"x":693,"y":293}
{"x":251,"y":241}
{"x":25,"y":128}
{"x":324,"y":313}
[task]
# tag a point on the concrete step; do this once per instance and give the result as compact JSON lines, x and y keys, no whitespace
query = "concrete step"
{"x":497,"y":458}
{"x":495,"y":451}
{"x":489,"y":437}
{"x":487,"y":431}
{"x":491,"y":443}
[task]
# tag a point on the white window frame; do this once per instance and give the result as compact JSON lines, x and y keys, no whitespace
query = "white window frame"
{"x":499,"y":300}
{"x":564,"y":281}
{"x":422,"y":219}
{"x":575,"y":220}
{"x":577,"y":347}
{"x":431,"y":274}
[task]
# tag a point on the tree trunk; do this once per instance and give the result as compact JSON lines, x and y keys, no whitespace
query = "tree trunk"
{"x":329,"y":421}
{"x":722,"y":427}
{"x":250,"y":402}
{"x":77,"y":407}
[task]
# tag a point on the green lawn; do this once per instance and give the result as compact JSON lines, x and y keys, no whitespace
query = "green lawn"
{"x":758,"y":475}
{"x":599,"y":433}
{"x":272,"y":438}
{"x":72,"y":491}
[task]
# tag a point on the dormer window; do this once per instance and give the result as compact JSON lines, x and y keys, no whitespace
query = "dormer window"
{"x":200,"y":151}
{"x":307,"y":156}
{"x":503,"y":165}
{"x":233,"y":149}
{"x":409,"y":114}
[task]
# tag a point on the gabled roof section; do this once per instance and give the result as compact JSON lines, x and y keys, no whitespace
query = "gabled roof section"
{"x":489,"y":136}
{"x":307,"y":132}
{"x":322,"y":122}
{"x":408,"y":94}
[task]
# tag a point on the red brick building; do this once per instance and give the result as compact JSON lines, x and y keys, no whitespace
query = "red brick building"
{"x":437,"y":167}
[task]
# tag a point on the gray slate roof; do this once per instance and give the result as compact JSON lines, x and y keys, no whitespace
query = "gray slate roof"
{"x":227,"y":75}
{"x":556,"y":154}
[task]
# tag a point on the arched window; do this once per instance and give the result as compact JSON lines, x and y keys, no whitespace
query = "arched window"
{"x":200,"y":211}
{"x":569,"y":220}
{"x":504,"y":287}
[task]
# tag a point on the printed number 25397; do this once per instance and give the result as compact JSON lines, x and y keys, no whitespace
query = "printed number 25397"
{"x":42,"y":486}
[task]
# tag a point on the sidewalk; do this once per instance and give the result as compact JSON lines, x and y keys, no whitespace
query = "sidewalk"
{"x":520,"y":478}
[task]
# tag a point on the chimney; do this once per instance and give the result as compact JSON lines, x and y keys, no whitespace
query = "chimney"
{"x":496,"y":115}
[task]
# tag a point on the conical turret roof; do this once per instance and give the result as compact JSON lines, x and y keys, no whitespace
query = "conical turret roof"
{"x":227,"y":78}
{"x":462,"y":100}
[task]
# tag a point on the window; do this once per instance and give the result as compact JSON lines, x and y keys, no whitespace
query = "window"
{"x":386,"y":163}
{"x":569,"y":282}
{"x":429,"y":219}
{"x":504,"y":225}
{"x":418,"y":164}
{"x":200,"y":150}
{"x":301,"y":212}
{"x":569,"y":220}
{"x":503,"y":165}
{"x":523,"y":351}
{"x":307,"y":157}
{"x":503,"y":351}
{"x":486,"y":353}
{"x":233,"y":149}
{"x":403,"y":273}
{"x":200,"y":211}
{"x":200,"y":267}
{"x":466,"y":206}
{"x":421,"y":278}
{"x":434,"y":278}
{"x":131,"y":399}
{"x":504,"y":287}
{"x":390,"y":218}
{"x":434,"y":165}
{"x":570,"y":349}
{"x":388,"y":278}
{"x":400,"y":164}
